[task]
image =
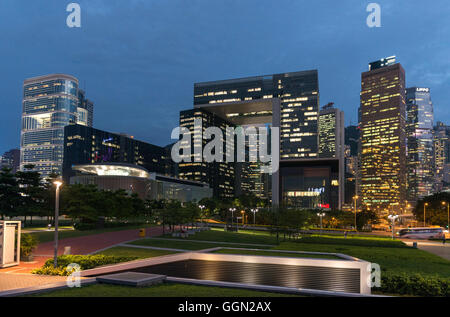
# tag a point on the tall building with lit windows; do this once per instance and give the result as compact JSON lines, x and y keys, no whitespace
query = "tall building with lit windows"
{"x":419,"y":129}
{"x":299,"y":97}
{"x":219,"y":175}
{"x":383,"y":137}
{"x":441,"y":139}
{"x":49,"y":104}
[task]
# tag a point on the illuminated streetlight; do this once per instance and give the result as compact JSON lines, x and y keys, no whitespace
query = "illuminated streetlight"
{"x":232,"y":210}
{"x":424,"y":214}
{"x":393,"y":218}
{"x":254,"y":210}
{"x":355,"y":198}
{"x":448,"y":214}
{"x":321,"y":215}
{"x":58,"y":184}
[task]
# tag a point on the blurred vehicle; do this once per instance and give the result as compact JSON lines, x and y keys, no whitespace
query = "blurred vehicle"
{"x":422,"y":233}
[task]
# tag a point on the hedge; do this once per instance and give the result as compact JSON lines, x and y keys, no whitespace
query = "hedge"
{"x":84,"y":261}
{"x":414,"y":284}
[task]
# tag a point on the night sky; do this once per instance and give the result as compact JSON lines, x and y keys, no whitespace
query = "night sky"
{"x":138,"y":60}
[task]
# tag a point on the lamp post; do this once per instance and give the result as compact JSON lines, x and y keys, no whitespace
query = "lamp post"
{"x":448,"y":214}
{"x":201,"y":215}
{"x":255,"y":210}
{"x":424,"y":214}
{"x":243,"y":216}
{"x":321,"y":215}
{"x":232,"y":210}
{"x":355,"y":198}
{"x":393,"y":218}
{"x":55,"y":257}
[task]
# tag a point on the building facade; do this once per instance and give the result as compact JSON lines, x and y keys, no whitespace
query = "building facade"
{"x":441,"y":140}
{"x":383,"y":138}
{"x":219,"y":175}
{"x":86,"y":145}
{"x":11,"y":159}
{"x":419,"y":129}
{"x":49,"y":104}
{"x":298,"y":93}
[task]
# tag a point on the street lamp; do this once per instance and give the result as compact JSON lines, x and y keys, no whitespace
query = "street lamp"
{"x":243,"y":217}
{"x":232,"y":210}
{"x":201,"y":215}
{"x":255,"y":210}
{"x":321,"y":215}
{"x":448,"y":214}
{"x":424,"y":214}
{"x":55,"y":258}
{"x":355,"y":198}
{"x":393,"y":218}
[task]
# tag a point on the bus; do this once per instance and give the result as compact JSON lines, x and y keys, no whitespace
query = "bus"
{"x":422,"y":233}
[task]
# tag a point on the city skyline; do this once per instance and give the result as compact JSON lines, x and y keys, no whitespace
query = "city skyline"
{"x":153,"y":86}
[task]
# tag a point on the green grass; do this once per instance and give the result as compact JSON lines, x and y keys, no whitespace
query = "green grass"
{"x":275,"y":253}
{"x":390,"y":259}
{"x":47,"y":236}
{"x":185,"y":245}
{"x":162,"y":290}
{"x":139,"y":253}
{"x":243,"y":236}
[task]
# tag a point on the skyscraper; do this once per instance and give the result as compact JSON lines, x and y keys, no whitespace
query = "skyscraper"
{"x":419,"y":129}
{"x":441,"y":141}
{"x":383,"y":146}
{"x":299,"y":96}
{"x":50,"y":103}
{"x":332,"y":140}
{"x":11,"y":159}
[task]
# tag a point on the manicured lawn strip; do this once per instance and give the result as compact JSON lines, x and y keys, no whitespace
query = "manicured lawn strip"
{"x":391,"y":260}
{"x":275,"y":253}
{"x":136,"y":252}
{"x":186,"y":245}
{"x":243,"y":236}
{"x":162,"y":290}
{"x":356,"y":241}
{"x":47,"y":236}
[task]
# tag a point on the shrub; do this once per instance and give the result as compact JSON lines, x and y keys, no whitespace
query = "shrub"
{"x":414,"y":284}
{"x":28,"y":243}
{"x":84,"y":261}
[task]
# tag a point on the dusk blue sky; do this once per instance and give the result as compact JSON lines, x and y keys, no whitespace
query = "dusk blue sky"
{"x":138,"y":60}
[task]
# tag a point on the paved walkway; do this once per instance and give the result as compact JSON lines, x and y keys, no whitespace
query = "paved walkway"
{"x":80,"y":245}
{"x":437,"y":248}
{"x":16,"y":281}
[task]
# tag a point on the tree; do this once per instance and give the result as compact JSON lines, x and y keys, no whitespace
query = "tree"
{"x":9,"y":193}
{"x":31,"y":191}
{"x":435,"y":212}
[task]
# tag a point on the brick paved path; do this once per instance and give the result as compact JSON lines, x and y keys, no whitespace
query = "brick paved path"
{"x":80,"y":245}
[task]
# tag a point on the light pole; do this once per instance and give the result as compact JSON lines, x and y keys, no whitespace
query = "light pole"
{"x":393,"y":218}
{"x":355,"y":198}
{"x":321,"y":215}
{"x":424,"y":214}
{"x":243,"y":216}
{"x":55,"y":258}
{"x":201,"y":208}
{"x":255,"y":210}
{"x":232,"y":210}
{"x":448,"y":214}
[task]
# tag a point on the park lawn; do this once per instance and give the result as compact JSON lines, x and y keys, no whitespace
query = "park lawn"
{"x":135,"y":252}
{"x":161,"y":290}
{"x":47,"y":236}
{"x":185,"y":245}
{"x":243,"y":236}
{"x":275,"y":253}
{"x":390,"y":259}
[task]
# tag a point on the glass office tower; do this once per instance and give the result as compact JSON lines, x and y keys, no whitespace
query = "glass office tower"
{"x":419,"y":129}
{"x":383,"y":137}
{"x":441,"y":155}
{"x":299,"y":96}
{"x":50,"y":103}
